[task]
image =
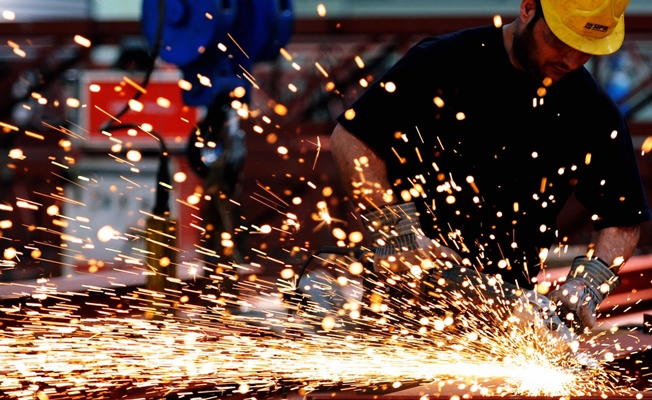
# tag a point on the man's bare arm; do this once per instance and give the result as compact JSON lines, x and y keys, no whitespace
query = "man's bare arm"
{"x":614,"y":242}
{"x":591,"y":280}
{"x":362,"y":172}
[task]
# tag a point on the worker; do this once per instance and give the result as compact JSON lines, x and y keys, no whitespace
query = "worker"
{"x":469,"y":146}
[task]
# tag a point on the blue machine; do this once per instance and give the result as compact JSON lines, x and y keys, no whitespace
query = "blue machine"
{"x":192,"y":35}
{"x":192,"y":30}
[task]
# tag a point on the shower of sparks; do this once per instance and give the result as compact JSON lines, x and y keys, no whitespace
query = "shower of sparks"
{"x":369,"y":339}
{"x":335,"y":323}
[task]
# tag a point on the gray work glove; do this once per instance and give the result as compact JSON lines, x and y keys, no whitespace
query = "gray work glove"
{"x":396,"y":232}
{"x":588,"y":283}
{"x":394,"y":228}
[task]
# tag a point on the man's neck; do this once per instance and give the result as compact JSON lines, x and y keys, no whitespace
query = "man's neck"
{"x":508,"y":40}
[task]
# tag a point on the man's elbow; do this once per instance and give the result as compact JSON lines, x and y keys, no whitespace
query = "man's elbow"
{"x":340,"y":139}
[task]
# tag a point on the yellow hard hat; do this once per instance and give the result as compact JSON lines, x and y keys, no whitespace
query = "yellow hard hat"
{"x":591,"y":26}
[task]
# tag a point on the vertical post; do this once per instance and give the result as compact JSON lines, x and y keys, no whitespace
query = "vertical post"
{"x":161,"y":246}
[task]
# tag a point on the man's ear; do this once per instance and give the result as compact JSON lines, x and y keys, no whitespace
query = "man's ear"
{"x":527,"y":11}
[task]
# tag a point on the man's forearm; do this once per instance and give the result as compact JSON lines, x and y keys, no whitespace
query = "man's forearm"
{"x":615,"y":245}
{"x":363,"y":173}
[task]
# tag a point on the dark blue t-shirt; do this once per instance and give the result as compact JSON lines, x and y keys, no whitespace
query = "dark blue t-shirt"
{"x":491,"y":157}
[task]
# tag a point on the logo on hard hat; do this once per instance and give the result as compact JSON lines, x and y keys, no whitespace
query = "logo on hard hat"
{"x":596,"y":27}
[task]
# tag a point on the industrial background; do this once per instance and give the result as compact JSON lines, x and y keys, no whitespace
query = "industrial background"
{"x":81,"y":164}
{"x":354,"y":41}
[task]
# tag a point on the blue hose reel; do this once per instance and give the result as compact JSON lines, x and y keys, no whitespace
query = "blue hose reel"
{"x":193,"y":29}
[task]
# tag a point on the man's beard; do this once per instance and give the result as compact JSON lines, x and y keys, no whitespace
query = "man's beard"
{"x":523,"y":48}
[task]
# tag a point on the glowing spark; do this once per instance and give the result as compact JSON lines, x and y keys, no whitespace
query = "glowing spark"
{"x":285,"y":54}
{"x":438,"y":102}
{"x":321,"y":69}
{"x":135,"y":85}
{"x":321,"y":10}
{"x":280,"y":109}
{"x":314,"y":164}
{"x":72,"y":102}
{"x":236,"y":43}
{"x":82,"y":41}
{"x":136,"y":105}
{"x":16,"y":154}
{"x":180,"y":177}
{"x":339,"y":234}
{"x":185,"y":85}
{"x":204,"y":80}
{"x":239,"y":92}
{"x":34,"y":135}
{"x":10,"y":127}
{"x":134,"y":155}
{"x":647,"y":145}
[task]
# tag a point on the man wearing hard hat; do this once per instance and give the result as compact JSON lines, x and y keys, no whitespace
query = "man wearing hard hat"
{"x":468,"y":147}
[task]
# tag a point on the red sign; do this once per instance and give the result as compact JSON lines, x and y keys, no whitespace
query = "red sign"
{"x":104,"y":94}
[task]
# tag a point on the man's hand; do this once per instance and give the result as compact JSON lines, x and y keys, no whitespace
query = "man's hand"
{"x":589,"y":281}
{"x":399,"y":241}
{"x":424,"y":256}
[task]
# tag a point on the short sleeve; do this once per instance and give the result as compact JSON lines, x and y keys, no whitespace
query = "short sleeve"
{"x":404,"y":93}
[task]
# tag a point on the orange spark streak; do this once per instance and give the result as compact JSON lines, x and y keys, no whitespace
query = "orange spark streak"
{"x":321,"y":69}
{"x":187,"y":204}
{"x":62,"y":198}
{"x":35,"y":135}
{"x":236,"y":43}
{"x":68,"y":180}
{"x":108,"y":114}
{"x":130,"y":181}
{"x":56,"y":262}
{"x":135,"y":85}
{"x":77,"y":126}
{"x":63,"y":130}
{"x":11,"y":127}
{"x":121,"y":161}
{"x":268,"y":191}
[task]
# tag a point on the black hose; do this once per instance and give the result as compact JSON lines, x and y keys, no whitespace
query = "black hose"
{"x":163,"y":176}
{"x":152,"y":63}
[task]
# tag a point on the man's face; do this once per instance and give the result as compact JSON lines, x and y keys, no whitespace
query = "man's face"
{"x":542,"y":54}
